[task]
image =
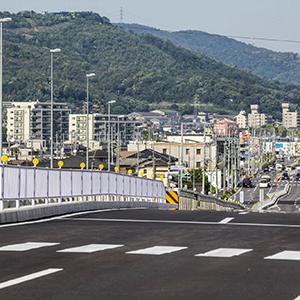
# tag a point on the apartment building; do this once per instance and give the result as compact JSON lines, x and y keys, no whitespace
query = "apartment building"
{"x":126,"y":126}
{"x":241,"y":119}
{"x":256,"y":119}
{"x":290,"y":120}
{"x":32,"y":121}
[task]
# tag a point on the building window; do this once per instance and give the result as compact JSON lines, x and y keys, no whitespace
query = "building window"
{"x":198,"y":151}
{"x":187,"y":151}
{"x":198,"y":164}
{"x":165,"y":151}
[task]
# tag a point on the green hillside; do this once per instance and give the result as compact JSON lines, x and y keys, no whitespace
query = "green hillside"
{"x":273,"y":65}
{"x":136,"y":71}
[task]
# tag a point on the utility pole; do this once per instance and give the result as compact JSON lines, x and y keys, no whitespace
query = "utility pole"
{"x":181,"y":154}
{"x":169,"y":165}
{"x":224,"y":166}
{"x":153,"y":157}
{"x":203,"y":172}
{"x":228,"y":166}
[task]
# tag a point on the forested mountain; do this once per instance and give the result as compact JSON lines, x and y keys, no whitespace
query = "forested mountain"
{"x":273,"y":65}
{"x":136,"y":71}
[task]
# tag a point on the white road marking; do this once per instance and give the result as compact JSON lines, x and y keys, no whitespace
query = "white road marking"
{"x":26,"y":246}
{"x":28,"y":277}
{"x":186,"y":222}
{"x":285,"y":255}
{"x":157,"y":250}
{"x":90,"y":248}
{"x":226,"y":220}
{"x":298,"y":298}
{"x":224,"y":252}
{"x":244,"y":213}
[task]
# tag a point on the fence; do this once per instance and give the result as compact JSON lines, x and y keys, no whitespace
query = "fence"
{"x":20,"y":186}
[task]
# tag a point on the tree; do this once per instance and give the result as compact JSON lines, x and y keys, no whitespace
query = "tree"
{"x":282,"y":131}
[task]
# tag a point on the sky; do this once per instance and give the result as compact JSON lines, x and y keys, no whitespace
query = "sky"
{"x":264,"y":20}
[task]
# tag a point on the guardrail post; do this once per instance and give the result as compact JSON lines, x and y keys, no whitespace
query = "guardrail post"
{"x":81,"y":197}
{"x":34,"y":186}
{"x":71,"y":198}
{"x":59,"y":179}
{"x":2,"y":188}
{"x":19,"y":189}
{"x":48,"y":184}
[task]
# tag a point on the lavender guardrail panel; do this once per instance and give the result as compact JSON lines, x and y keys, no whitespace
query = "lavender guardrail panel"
{"x":29,"y":183}
{"x":41,"y":183}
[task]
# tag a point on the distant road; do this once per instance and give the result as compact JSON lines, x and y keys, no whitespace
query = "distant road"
{"x":145,"y":254}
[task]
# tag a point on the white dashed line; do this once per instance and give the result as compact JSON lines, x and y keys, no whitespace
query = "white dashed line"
{"x":157,"y":250}
{"x":28,"y":277}
{"x":224,"y":252}
{"x":90,"y":248}
{"x":226,"y":220}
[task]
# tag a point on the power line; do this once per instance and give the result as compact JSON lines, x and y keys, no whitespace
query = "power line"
{"x":205,"y":33}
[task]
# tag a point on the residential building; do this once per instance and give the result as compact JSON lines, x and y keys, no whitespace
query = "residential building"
{"x":290,"y":120}
{"x":241,"y":119}
{"x":123,"y":127}
{"x":256,"y":119}
{"x":190,"y":154}
{"x":32,"y":121}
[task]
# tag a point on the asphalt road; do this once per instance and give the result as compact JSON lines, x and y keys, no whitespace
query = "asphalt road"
{"x":145,"y":254}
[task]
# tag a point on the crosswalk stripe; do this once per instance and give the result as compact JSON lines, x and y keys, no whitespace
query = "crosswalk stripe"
{"x":157,"y":250}
{"x":224,"y":252}
{"x":285,"y":255}
{"x":26,"y":246}
{"x":90,"y":248}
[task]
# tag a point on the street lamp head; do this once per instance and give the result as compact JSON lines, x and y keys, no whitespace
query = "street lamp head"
{"x":112,"y":101}
{"x":90,"y":75}
{"x":5,"y":20}
{"x":55,"y":50}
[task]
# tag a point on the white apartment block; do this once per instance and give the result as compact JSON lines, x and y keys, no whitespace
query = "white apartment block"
{"x":256,"y":120}
{"x":123,"y":127}
{"x":289,"y":119}
{"x":32,"y":121}
{"x":241,"y":119}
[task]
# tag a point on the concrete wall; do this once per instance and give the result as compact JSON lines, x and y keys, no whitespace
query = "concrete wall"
{"x":39,"y":212}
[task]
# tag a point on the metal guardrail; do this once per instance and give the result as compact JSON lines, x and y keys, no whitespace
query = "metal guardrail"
{"x":258,"y":206}
{"x":28,"y":186}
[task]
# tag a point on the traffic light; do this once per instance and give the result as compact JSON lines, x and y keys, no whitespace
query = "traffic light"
{"x":188,"y":177}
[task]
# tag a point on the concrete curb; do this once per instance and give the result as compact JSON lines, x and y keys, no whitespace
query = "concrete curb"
{"x":39,"y":212}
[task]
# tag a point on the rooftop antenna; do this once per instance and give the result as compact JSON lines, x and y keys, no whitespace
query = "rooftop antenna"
{"x":121,"y":15}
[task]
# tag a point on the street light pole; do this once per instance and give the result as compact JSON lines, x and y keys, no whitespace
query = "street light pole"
{"x":1,"y":101}
{"x":118,"y":145}
{"x":51,"y":134}
{"x":109,"y":103}
{"x":87,"y":118}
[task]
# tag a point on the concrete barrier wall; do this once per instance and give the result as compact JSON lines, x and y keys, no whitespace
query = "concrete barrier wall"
{"x":39,"y":212}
